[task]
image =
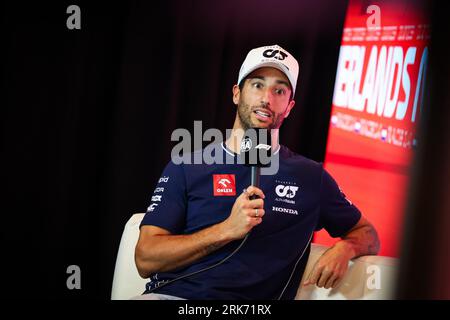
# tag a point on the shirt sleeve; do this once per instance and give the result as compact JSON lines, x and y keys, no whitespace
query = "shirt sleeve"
{"x":337,"y":214}
{"x":167,"y":207}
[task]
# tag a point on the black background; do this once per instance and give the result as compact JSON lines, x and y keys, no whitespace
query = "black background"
{"x":87,"y":115}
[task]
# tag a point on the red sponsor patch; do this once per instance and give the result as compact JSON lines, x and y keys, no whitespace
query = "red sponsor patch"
{"x":224,"y":184}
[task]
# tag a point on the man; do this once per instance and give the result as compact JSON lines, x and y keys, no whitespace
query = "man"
{"x":191,"y":239}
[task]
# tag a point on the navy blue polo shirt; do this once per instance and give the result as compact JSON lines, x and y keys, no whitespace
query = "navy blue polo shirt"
{"x":300,"y":199}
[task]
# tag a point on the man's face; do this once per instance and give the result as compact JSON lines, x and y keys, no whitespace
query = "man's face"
{"x":264,"y":101}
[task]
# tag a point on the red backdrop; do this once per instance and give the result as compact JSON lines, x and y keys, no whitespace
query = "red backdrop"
{"x":376,"y":106}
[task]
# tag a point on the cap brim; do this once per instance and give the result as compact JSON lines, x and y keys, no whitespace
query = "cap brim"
{"x":271,"y":64}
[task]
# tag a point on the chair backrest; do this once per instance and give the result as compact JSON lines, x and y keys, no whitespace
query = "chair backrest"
{"x":368,"y":277}
{"x":127,"y":282}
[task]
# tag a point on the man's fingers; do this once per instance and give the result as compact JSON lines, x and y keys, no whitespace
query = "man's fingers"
{"x":324,"y":276}
{"x":256,"y":221}
{"x":331,"y":280}
{"x":252,"y":190}
{"x":252,"y":213}
{"x":336,"y":282}
{"x":313,"y":276}
{"x":257,"y":203}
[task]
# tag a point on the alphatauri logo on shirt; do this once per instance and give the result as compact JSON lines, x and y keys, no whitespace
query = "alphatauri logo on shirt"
{"x":224,"y":185}
{"x":286,"y":191}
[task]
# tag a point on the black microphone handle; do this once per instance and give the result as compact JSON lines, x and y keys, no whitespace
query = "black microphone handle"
{"x":254,"y":179}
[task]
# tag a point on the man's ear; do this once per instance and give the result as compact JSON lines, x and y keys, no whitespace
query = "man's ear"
{"x":236,"y":94}
{"x":289,"y":108}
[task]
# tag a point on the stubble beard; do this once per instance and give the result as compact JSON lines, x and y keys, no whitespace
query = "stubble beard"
{"x":245,"y":113}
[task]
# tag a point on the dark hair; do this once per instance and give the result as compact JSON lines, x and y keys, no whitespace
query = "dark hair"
{"x":241,"y":86}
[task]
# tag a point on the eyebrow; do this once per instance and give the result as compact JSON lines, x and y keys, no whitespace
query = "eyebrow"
{"x":277,"y":81}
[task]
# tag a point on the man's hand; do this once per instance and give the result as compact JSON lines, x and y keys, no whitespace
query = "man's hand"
{"x":243,"y":214}
{"x":330,"y":268}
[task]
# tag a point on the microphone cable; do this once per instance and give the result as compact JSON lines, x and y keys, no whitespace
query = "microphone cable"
{"x":295,"y":266}
{"x":206,"y":268}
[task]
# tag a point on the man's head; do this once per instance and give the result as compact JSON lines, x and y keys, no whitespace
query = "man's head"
{"x":265,"y":89}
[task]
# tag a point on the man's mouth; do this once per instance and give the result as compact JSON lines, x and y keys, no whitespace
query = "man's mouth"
{"x":262,"y":114}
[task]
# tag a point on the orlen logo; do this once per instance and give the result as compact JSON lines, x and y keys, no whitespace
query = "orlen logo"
{"x":286,"y":191}
{"x":224,"y":184}
{"x":277,"y":54}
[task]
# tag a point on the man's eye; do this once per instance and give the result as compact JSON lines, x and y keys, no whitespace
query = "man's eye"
{"x":280,"y":91}
{"x":257,"y":85}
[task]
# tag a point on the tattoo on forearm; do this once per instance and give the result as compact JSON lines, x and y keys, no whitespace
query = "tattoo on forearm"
{"x":365,"y":241}
{"x":373,"y":244}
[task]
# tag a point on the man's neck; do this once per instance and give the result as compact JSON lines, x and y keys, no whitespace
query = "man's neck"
{"x":237,"y":133}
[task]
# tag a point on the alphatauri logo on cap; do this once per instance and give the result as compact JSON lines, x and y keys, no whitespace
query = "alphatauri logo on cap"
{"x":277,"y":54}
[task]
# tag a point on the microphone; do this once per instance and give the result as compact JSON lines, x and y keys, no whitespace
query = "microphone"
{"x":256,"y":151}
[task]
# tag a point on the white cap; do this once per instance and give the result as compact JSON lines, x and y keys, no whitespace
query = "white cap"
{"x":271,"y":56}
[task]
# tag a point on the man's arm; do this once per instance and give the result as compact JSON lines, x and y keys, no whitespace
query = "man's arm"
{"x":157,"y":250}
{"x":330,"y":268}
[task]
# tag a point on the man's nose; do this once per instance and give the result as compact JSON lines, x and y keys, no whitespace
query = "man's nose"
{"x":266,"y":97}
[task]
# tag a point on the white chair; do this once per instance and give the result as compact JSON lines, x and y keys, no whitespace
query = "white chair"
{"x":368,"y":277}
{"x":127,"y":282}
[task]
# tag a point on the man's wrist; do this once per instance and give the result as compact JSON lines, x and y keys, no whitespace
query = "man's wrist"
{"x":347,"y":247}
{"x":223,"y":235}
